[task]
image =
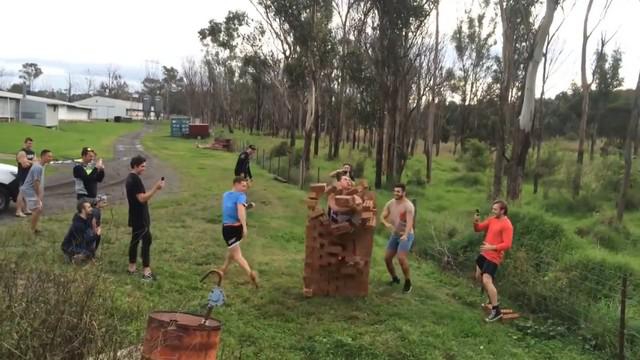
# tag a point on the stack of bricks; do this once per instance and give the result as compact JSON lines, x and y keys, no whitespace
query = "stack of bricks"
{"x":337,"y":255}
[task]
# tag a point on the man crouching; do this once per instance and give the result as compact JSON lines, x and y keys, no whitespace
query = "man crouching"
{"x":80,"y":242}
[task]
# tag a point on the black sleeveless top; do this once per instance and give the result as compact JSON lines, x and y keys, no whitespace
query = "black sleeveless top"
{"x":23,"y":171}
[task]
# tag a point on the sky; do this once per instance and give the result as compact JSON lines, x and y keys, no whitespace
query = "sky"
{"x":74,"y":38}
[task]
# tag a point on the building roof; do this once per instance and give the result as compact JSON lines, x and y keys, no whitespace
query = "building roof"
{"x":101,"y":100}
{"x":16,"y":96}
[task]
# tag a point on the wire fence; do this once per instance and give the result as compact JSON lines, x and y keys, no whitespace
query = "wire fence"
{"x":595,"y":307}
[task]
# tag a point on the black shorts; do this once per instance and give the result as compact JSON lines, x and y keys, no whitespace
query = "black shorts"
{"x":486,"y":266}
{"x":232,"y":234}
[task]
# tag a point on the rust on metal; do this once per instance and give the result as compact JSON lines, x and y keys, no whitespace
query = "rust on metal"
{"x":180,"y":336}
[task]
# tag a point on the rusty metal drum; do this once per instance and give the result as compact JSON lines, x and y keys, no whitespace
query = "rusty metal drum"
{"x":180,"y":336}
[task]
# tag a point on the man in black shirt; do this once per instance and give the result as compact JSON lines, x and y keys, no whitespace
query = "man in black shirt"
{"x":79,"y":243}
{"x":24,"y":158}
{"x":87,"y":175}
{"x":139,"y":219}
{"x":242,"y":165}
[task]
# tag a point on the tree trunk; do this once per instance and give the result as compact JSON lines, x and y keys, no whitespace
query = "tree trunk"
{"x":584,"y":111}
{"x":594,"y":139}
{"x":505,"y":89}
{"x":379,"y":148}
{"x":522,"y":135}
{"x":316,"y":142}
{"x":308,"y":127}
{"x":628,"y":160}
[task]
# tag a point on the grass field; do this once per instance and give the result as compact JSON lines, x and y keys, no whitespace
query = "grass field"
{"x":440,"y":319}
{"x":66,"y":141}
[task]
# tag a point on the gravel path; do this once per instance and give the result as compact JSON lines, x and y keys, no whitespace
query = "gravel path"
{"x":59,"y":195}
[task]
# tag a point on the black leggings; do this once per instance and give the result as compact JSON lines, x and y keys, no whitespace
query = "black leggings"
{"x":143,"y":234}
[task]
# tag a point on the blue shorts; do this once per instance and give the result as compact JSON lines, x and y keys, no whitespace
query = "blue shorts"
{"x":397,"y":245}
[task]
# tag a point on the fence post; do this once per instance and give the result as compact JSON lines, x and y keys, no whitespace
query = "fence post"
{"x":318,"y":178}
{"x":623,"y":306}
{"x":289,"y":169}
{"x":263,"y":158}
{"x":270,"y":160}
{"x":278,"y":170}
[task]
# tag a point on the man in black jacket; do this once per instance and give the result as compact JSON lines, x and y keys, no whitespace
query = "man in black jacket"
{"x":79,"y":243}
{"x":242,"y":165}
{"x":87,"y":175}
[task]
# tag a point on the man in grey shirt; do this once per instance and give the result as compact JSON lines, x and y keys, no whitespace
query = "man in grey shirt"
{"x":33,"y":188}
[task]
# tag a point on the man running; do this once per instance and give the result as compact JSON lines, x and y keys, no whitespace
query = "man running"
{"x":242,"y":165}
{"x":33,"y":188}
{"x":397,"y":216}
{"x":234,"y":226}
{"x":87,"y":175}
{"x":139,"y":219}
{"x":25,"y":158}
{"x":498,"y":238}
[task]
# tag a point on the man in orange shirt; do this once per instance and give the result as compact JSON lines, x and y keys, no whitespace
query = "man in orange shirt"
{"x":498,"y":238}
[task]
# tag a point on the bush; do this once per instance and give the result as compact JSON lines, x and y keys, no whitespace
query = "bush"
{"x":561,"y":203}
{"x":469,"y":180}
{"x":358,"y":168}
{"x":282,"y":149}
{"x":607,"y":233}
{"x":476,"y":156}
{"x":417,"y":178}
{"x":49,"y":315}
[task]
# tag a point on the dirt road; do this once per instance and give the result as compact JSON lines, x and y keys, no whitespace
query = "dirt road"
{"x":59,"y":195}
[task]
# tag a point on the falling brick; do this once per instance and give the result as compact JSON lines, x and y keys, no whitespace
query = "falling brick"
{"x":318,"y":188}
{"x":337,"y":255}
{"x":344,"y":201}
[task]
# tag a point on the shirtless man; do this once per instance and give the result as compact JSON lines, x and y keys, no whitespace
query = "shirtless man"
{"x":398,"y":217}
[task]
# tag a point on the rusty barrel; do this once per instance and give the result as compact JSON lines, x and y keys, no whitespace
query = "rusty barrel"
{"x":180,"y":336}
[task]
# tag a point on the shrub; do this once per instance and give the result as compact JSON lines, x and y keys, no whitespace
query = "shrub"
{"x":476,"y":156}
{"x":469,"y":180}
{"x":51,"y":315}
{"x":358,"y":168}
{"x":282,"y":149}
{"x":417,"y":178}
{"x":607,"y":233}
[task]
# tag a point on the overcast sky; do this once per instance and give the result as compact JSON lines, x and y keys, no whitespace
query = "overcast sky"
{"x":73,"y":36}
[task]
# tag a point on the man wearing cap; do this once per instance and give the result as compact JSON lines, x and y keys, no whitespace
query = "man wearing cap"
{"x":242,"y":165}
{"x":87,"y":175}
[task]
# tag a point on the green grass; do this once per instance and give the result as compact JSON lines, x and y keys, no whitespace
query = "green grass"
{"x":67,"y":140}
{"x":440,"y":319}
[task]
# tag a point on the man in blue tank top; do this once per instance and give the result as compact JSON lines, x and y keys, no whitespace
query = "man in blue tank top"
{"x":234,"y":225}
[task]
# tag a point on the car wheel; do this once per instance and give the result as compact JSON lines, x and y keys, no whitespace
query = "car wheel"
{"x":4,"y":199}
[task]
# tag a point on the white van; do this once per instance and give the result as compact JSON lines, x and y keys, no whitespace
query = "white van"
{"x":8,"y":185}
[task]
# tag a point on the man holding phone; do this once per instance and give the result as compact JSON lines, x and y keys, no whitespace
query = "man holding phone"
{"x":139,"y":219}
{"x":87,"y":175}
{"x":498,"y":239}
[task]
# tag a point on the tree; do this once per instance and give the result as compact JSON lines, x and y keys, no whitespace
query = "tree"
{"x":550,"y":59}
{"x":586,"y":87}
{"x":222,"y":40}
{"x":472,"y":40}
{"x":632,"y":131}
{"x":517,"y":30}
{"x":114,"y":86}
{"x":522,"y":135}
{"x":170,"y":82}
{"x":606,"y":77}
{"x":29,"y":73}
{"x":3,"y":74}
{"x":399,"y":30}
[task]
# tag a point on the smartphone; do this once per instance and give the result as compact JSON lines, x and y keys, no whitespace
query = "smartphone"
{"x":162,"y":178}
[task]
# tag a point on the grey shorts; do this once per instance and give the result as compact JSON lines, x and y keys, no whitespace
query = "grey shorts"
{"x":32,"y":203}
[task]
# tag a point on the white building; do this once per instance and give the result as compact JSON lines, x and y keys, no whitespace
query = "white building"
{"x":40,"y":111}
{"x":108,"y":108}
